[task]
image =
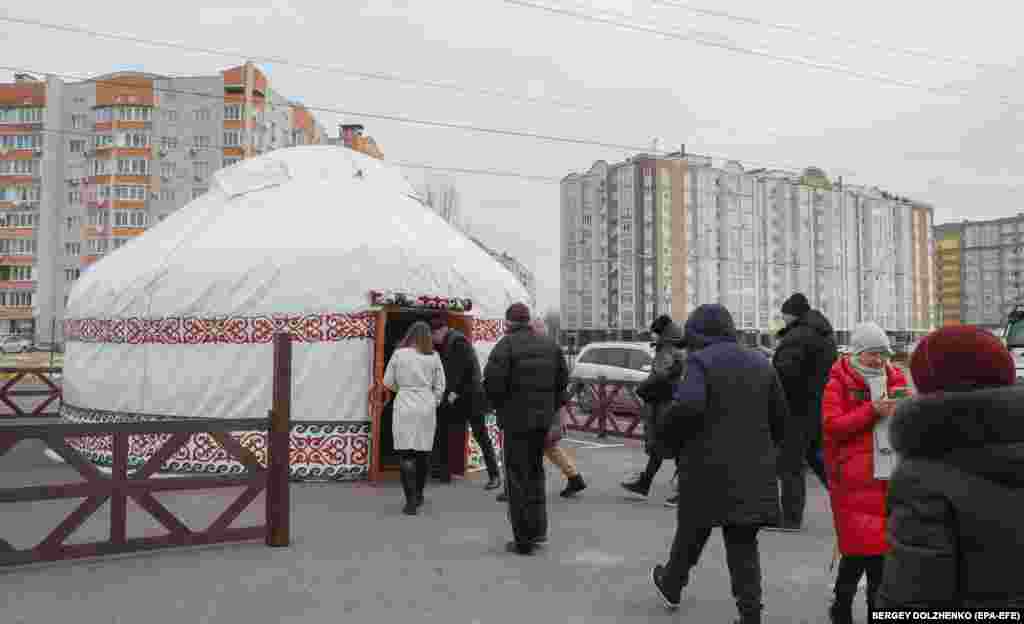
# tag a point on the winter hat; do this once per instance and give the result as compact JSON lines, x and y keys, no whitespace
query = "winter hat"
{"x":660,"y":324}
{"x":539,"y":327}
{"x":961,"y":357}
{"x":869,"y":337}
{"x":709,"y":324}
{"x":518,"y":313}
{"x":438,"y":321}
{"x":797,"y":305}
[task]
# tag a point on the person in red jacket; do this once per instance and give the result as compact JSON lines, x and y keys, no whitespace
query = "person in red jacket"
{"x":857,"y":405}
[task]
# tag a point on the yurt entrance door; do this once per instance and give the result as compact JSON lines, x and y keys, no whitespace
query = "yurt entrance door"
{"x":392,"y":324}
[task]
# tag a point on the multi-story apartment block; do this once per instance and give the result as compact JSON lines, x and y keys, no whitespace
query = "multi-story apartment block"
{"x":698,"y":233}
{"x":352,"y":137}
{"x":981,"y":264}
{"x":86,"y":166}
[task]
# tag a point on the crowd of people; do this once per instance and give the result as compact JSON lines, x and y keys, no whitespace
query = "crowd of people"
{"x":926,"y":491}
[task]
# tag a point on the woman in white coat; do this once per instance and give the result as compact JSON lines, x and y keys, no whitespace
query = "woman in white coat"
{"x":416,"y":376}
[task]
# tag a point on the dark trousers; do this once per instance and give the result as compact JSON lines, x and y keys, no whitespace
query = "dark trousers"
{"x":525,"y":486}
{"x":414,"y":466}
{"x":793,"y":483}
{"x":654,"y":461}
{"x":442,"y":445}
{"x":851,"y":569}
{"x":741,"y":553}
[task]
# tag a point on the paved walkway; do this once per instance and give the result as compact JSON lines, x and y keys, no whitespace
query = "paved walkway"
{"x":356,"y":558}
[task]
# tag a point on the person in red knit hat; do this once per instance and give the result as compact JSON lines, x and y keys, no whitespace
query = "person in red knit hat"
{"x":956,"y":500}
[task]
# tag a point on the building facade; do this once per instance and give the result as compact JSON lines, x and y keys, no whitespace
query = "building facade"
{"x":662,"y":235}
{"x":86,"y":166}
{"x":982,"y":269}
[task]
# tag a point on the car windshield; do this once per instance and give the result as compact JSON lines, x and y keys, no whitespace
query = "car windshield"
{"x":620,"y":357}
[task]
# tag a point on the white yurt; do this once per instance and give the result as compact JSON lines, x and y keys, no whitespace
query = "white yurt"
{"x":324,"y":242}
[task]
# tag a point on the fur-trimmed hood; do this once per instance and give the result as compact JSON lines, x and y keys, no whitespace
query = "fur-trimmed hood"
{"x":981,"y":432}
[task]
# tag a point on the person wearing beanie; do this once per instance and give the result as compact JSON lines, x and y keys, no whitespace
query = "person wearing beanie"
{"x":859,"y":394}
{"x":668,"y":369}
{"x":554,"y":453}
{"x":525,"y":380}
{"x":956,"y":499}
{"x":725,"y":425}
{"x":463,"y":402}
{"x":803,"y":358}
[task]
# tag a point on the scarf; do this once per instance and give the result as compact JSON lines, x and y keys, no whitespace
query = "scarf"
{"x":877,"y":379}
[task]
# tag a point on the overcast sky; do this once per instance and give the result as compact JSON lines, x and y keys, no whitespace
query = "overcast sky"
{"x":962,"y":153}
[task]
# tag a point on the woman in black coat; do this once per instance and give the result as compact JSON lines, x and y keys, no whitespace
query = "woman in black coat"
{"x":956,"y":501}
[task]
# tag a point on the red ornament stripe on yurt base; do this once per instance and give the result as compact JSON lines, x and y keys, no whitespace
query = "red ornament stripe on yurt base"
{"x":225,"y":330}
{"x":488,"y":330}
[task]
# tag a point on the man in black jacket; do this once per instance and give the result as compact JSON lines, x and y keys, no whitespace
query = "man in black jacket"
{"x":463,"y":400}
{"x":803,"y":358}
{"x":525,"y":380}
{"x":725,"y":425}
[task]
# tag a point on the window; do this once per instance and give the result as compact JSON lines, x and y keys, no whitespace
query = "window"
{"x":167,"y":195}
{"x":71,"y":275}
{"x":134,"y":113}
{"x":232,"y":138}
{"x":638,"y":360}
{"x":201,"y":169}
{"x":77,"y":146}
{"x":200,"y":141}
{"x":119,"y":242}
{"x":72,"y":249}
{"x":132,"y":139}
{"x":130,"y":193}
{"x":102,"y":167}
{"x":168,"y":143}
{"x":21,"y":142}
{"x":593,"y":356}
{"x":170,"y":115}
{"x":18,"y":246}
{"x":9,"y":298}
{"x":201,"y":114}
{"x":167,"y":169}
{"x":232,"y":112}
{"x":139,"y":218}
{"x":104,"y":115}
{"x":20,"y":219}
{"x":132,"y":166}
{"x":228,"y":162}
{"x":19,"y":167}
{"x":587,"y":219}
{"x":198,"y":192}
{"x":103,"y":140}
{"x":78,"y":121}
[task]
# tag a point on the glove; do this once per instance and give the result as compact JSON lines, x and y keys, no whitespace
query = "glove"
{"x":452,"y":397}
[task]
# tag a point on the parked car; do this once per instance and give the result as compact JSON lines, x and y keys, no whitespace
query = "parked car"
{"x":15,"y":344}
{"x":616,"y":362}
{"x":48,"y":347}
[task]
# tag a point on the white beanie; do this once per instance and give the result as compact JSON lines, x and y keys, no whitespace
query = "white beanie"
{"x":870,"y":337}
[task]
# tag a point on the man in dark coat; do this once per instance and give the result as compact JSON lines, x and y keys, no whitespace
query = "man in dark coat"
{"x":525,"y":380}
{"x":803,"y":358}
{"x":726,"y":424}
{"x":656,"y":392}
{"x":956,"y":499}
{"x":463,"y":401}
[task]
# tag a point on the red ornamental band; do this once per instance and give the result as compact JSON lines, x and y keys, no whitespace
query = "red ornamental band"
{"x":454,"y":304}
{"x":243,"y":330}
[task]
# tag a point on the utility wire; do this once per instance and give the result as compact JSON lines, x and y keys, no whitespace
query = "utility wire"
{"x":421,"y":122}
{"x":807,"y":32}
{"x":297,"y":64}
{"x":791,"y":60}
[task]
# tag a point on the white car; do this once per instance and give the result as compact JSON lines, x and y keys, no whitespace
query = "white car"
{"x":615,"y":361}
{"x":15,"y":344}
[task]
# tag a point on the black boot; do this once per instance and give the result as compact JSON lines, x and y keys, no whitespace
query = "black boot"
{"x":407,"y":472}
{"x":422,"y":468}
{"x":641,"y":485}
{"x":575,"y":486}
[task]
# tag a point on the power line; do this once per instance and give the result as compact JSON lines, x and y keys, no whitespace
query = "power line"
{"x":864,"y":43}
{"x":297,"y":64}
{"x":791,"y":60}
{"x":420,"y":122}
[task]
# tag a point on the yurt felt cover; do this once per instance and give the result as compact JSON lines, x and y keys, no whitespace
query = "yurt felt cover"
{"x":177,"y":322}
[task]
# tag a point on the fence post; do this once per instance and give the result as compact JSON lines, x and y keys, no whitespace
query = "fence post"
{"x":278,"y":444}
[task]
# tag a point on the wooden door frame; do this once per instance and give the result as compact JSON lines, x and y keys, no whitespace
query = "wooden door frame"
{"x":378,"y":395}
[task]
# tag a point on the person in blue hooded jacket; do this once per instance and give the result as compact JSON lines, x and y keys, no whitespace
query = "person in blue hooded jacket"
{"x":726,"y":424}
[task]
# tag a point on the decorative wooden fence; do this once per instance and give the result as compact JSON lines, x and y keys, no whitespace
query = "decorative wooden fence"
{"x":140,"y":487}
{"x":52,"y":391}
{"x":604,"y":407}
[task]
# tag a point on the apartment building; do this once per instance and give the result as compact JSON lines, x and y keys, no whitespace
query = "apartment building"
{"x":982,"y":269}
{"x":704,"y":233}
{"x":85,"y":166}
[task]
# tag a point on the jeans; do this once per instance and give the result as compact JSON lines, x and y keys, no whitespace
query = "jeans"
{"x":525,"y":485}
{"x":742,"y":556}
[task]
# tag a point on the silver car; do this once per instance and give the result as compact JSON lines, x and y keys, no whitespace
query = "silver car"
{"x":616,"y":362}
{"x":15,"y":344}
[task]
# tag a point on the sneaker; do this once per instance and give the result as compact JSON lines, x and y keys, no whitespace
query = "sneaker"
{"x":672,"y":502}
{"x":639,"y":486}
{"x":657,"y":577}
{"x":519,"y":549}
